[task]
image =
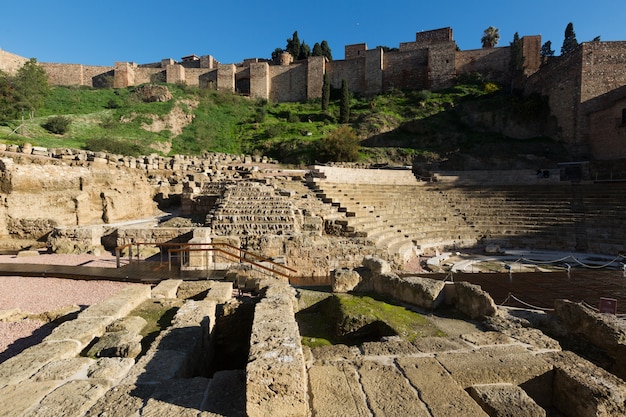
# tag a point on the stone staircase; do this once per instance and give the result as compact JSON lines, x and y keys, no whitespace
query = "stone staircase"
{"x":250,"y":208}
{"x":393,"y":210}
{"x":604,"y":208}
{"x":518,"y":216}
{"x":408,"y":217}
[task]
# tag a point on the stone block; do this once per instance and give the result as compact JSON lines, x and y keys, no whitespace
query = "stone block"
{"x":179,"y":397}
{"x":220,"y":292}
{"x":82,"y":330}
{"x":110,"y":368}
{"x":421,"y":292}
{"x":393,"y":346}
{"x":583,"y":389}
{"x":71,"y":399}
{"x":384,"y":386}
{"x":166,"y":289}
{"x":603,"y":330}
{"x":17,"y":399}
{"x":62,"y":369}
{"x":336,"y":391}
{"x":195,"y":290}
{"x":31,"y":360}
{"x":507,"y":364}
{"x":344,"y":280}
{"x":334,"y":353}
{"x":120,"y":344}
{"x":121,"y":400}
{"x":133,"y":324}
{"x":505,"y":400}
{"x":441,"y":393}
{"x":473,"y":301}
{"x":276,"y":381}
{"x":376,"y":265}
{"x":119,"y":304}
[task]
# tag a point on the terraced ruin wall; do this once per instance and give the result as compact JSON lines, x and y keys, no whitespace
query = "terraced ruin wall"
{"x":36,"y":197}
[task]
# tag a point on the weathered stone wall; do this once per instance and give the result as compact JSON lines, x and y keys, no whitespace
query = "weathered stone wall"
{"x":560,"y":81}
{"x":607,"y":131}
{"x":74,"y":74}
{"x":315,"y":76}
{"x":441,"y":65}
{"x":406,"y":70}
{"x":288,"y":83}
{"x":355,"y":51}
{"x":276,"y":377}
{"x":128,"y":235}
{"x":10,"y":63}
{"x":353,"y":71}
{"x":493,"y":62}
{"x":259,"y":80}
{"x":430,"y":37}
{"x":61,"y":195}
{"x":226,"y":77}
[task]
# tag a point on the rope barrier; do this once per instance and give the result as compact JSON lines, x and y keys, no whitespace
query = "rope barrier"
{"x":527,"y":304}
{"x":573,"y":258}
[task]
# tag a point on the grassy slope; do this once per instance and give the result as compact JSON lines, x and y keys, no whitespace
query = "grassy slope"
{"x":397,"y":126}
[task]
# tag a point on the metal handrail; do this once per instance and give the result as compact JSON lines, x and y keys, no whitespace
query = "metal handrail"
{"x":181,"y":248}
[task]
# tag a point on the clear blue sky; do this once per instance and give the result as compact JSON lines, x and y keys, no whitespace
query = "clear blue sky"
{"x":101,"y":33}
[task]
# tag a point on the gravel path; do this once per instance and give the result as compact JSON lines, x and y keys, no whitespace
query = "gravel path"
{"x":38,"y":295}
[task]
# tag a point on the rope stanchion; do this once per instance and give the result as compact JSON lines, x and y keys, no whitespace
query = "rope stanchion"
{"x":589,"y":306}
{"x":505,"y":300}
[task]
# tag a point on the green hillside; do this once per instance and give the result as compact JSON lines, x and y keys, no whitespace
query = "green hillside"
{"x":463,"y":127}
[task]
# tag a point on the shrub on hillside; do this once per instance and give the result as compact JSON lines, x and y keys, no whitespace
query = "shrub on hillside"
{"x":341,"y":145}
{"x":58,"y":125}
{"x":116,"y":146}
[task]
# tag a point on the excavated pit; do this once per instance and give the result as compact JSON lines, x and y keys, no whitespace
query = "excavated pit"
{"x":232,"y":330}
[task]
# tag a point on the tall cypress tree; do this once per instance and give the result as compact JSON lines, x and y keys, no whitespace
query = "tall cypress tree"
{"x":317,"y":50}
{"x":293,"y":45}
{"x":326,"y":93}
{"x":344,"y":105}
{"x":569,"y":43}
{"x":517,"y":55}
{"x":326,"y":50}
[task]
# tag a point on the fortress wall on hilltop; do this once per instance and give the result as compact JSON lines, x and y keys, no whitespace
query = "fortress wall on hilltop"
{"x":494,"y":61}
{"x":74,"y":74}
{"x":430,"y":37}
{"x":406,"y":70}
{"x":603,"y":68}
{"x":353,"y":71}
{"x":441,"y":65}
{"x":608,"y":131}
{"x":10,"y":63}
{"x":560,"y":81}
{"x":288,"y":83}
{"x":315,"y":76}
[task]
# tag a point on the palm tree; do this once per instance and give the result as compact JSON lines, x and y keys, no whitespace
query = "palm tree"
{"x":490,"y":38}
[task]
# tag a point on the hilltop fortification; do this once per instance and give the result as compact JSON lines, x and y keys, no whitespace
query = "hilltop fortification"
{"x":586,"y":88}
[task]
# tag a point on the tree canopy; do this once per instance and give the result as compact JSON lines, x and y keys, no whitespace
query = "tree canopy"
{"x":569,"y":43}
{"x":300,"y":50}
{"x":546,"y":51}
{"x":24,"y":92}
{"x":491,"y":37}
{"x":517,"y":54}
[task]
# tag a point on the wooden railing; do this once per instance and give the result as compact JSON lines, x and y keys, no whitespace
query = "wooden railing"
{"x":181,"y":251}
